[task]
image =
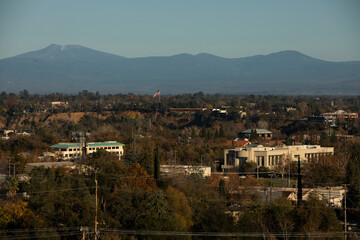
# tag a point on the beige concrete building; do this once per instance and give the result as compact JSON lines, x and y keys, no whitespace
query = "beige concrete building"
{"x":69,"y":151}
{"x":341,"y":114}
{"x":270,"y":156}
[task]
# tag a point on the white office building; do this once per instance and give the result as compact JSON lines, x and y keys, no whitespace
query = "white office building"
{"x":270,"y":156}
{"x":69,"y":151}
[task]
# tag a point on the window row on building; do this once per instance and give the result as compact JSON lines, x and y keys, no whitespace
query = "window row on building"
{"x":272,"y":156}
{"x":68,"y":151}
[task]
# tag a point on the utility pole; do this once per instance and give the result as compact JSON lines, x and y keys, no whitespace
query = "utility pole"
{"x":10,"y":163}
{"x":84,"y":230}
{"x":96,"y":188}
{"x":9,"y":166}
{"x":345,"y":214}
{"x":175,"y":151}
{"x":134,"y":139}
{"x":266,"y":194}
{"x":271,"y":184}
{"x":289,"y":172}
{"x":299,"y":193}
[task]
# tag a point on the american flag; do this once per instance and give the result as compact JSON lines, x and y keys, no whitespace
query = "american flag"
{"x":157,"y":93}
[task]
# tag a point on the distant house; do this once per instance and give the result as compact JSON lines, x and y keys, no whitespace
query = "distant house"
{"x":344,"y":136}
{"x":31,"y":166}
{"x":6,"y":133}
{"x":305,"y":195}
{"x":242,"y":114}
{"x":204,"y":171}
{"x":69,"y":151}
{"x":341,"y":114}
{"x":330,"y":120}
{"x":218,"y":110}
{"x":262,"y":133}
{"x":273,"y":142}
{"x":45,"y":156}
{"x":238,"y":142}
{"x":187,"y":110}
{"x":290,"y":109}
{"x":58,"y":104}
{"x":332,"y":195}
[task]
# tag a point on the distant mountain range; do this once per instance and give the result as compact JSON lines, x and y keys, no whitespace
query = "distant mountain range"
{"x":72,"y":68}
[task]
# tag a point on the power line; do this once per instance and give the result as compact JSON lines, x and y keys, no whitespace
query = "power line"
{"x":222,"y":234}
{"x":50,"y":191}
{"x":47,"y":234}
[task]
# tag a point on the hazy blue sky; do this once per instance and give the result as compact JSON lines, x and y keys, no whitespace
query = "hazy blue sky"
{"x":325,"y":29}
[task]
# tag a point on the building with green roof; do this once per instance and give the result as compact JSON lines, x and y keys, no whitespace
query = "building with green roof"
{"x":68,"y":151}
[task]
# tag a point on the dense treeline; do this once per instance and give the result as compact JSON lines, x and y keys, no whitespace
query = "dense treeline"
{"x":61,"y":201}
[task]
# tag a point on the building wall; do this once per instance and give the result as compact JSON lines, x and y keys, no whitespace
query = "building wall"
{"x":74,"y":151}
{"x":342,"y":115}
{"x":271,"y":156}
{"x":117,"y":150}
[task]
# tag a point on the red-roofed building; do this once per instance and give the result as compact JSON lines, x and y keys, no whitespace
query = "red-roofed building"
{"x":238,"y":142}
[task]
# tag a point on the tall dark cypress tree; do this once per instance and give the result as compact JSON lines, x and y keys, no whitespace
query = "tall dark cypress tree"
{"x":157,"y":165}
{"x":221,"y":132}
{"x":353,"y":181}
{"x":222,"y":190}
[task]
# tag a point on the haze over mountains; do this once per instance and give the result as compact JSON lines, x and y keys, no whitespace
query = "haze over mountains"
{"x":72,"y":68}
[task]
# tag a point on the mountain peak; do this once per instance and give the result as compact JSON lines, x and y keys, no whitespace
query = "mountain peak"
{"x":68,"y":52}
{"x":291,"y":55}
{"x":207,"y":55}
{"x":63,"y":47}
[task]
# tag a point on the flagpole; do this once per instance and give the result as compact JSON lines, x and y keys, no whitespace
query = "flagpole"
{"x":157,"y":93}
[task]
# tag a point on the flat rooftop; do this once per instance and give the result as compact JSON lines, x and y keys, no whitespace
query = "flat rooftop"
{"x":89,"y":144}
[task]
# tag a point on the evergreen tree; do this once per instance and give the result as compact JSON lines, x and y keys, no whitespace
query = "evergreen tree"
{"x":157,"y":165}
{"x":147,"y":158}
{"x":353,"y":179}
{"x":131,"y":158}
{"x":222,"y":190}
{"x":216,"y":134}
{"x":193,"y":133}
{"x":203,"y":132}
{"x":222,"y":133}
{"x":324,"y":139}
{"x":253,"y":135}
